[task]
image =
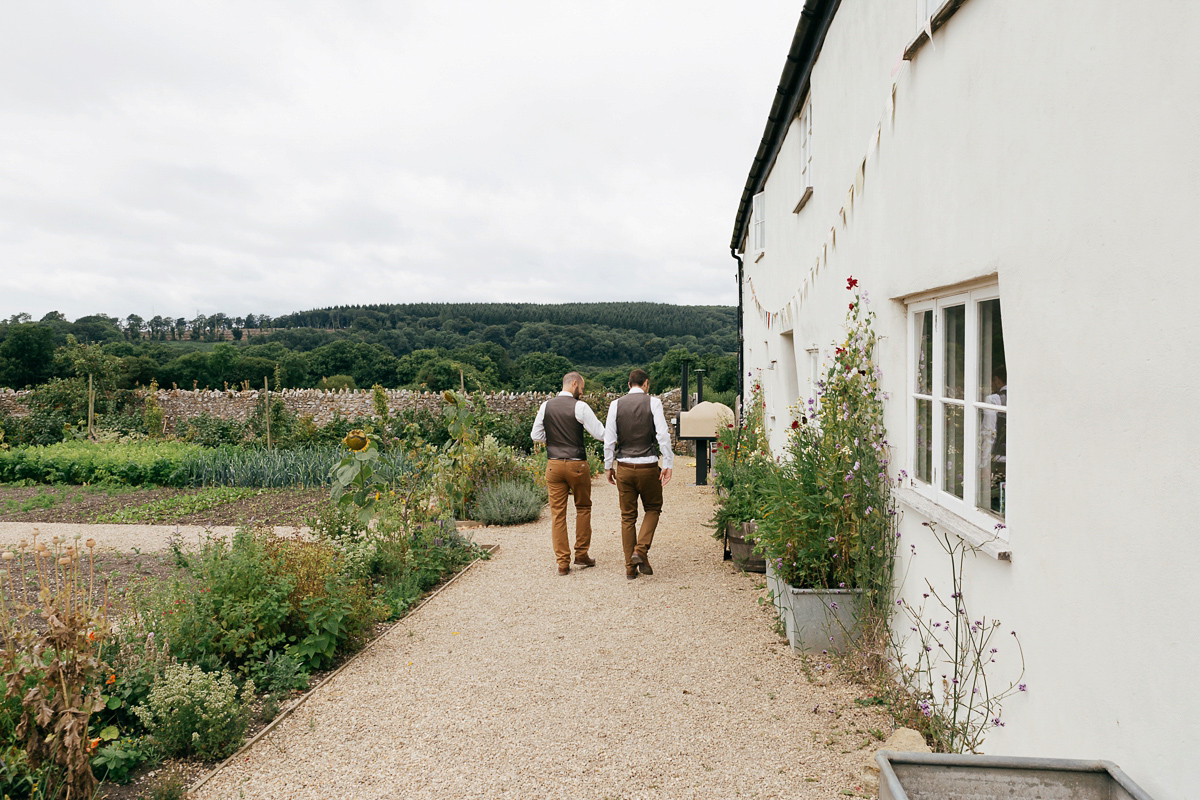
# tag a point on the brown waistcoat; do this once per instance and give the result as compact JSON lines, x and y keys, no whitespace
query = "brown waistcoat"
{"x":635,"y":427}
{"x":564,"y":433}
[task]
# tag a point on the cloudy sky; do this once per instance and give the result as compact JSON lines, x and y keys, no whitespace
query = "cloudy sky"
{"x":251,"y":157}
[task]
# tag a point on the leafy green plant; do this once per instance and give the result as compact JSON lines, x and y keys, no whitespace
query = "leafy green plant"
{"x":327,"y":629}
{"x":177,"y":506}
{"x":236,"y":608}
{"x":132,"y":463}
{"x":281,"y":672}
{"x":509,"y":503}
{"x":304,"y":467}
{"x":116,"y":760}
{"x":191,"y":711}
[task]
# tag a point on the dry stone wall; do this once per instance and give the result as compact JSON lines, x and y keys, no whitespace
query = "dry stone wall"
{"x":180,"y":405}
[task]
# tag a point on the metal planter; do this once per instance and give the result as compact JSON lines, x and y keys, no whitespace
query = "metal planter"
{"x":815,"y":619}
{"x":925,"y":776}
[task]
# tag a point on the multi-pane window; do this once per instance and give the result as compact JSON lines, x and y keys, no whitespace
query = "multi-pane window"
{"x":758,"y":228}
{"x":959,"y":409}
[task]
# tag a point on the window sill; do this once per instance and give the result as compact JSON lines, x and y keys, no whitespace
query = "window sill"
{"x":944,"y":12}
{"x":947,"y":520}
{"x":803,"y":200}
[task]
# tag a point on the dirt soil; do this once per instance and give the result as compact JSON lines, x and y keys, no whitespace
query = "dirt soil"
{"x":87,"y":504}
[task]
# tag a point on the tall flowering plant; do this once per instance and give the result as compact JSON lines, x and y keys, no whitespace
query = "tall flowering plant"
{"x":829,"y":517}
{"x":743,"y":468}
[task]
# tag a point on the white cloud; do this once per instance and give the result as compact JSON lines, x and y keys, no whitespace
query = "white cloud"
{"x":270,"y":157}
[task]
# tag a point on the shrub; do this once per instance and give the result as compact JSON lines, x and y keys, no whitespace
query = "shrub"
{"x":209,"y":431}
{"x":508,"y":503}
{"x":235,"y":610}
{"x":135,"y":658}
{"x":191,"y":711}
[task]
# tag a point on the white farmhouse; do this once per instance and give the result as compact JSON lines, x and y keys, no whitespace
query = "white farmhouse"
{"x":1016,"y":184}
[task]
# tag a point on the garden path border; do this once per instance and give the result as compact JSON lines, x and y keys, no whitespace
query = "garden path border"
{"x":490,"y":550}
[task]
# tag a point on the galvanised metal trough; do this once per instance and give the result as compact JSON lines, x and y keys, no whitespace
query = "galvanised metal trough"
{"x":939,"y":776}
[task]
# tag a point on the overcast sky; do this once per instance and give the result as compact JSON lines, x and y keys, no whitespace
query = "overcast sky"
{"x":267,"y":157}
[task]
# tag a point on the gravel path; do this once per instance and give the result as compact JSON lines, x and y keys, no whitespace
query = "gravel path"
{"x":119,"y":538}
{"x":517,"y":683}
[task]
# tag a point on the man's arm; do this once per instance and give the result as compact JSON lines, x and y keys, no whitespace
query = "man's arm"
{"x":610,"y":440}
{"x":587,"y":418}
{"x":538,"y":434}
{"x":662,"y":433}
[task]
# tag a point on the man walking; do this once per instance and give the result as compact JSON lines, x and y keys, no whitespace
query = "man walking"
{"x":560,"y":423}
{"x":635,"y":426}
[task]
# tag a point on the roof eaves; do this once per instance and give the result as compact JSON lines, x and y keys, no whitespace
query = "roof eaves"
{"x":793,"y":85}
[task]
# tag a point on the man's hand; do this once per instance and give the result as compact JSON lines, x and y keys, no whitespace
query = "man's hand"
{"x":611,"y":474}
{"x":664,"y":477}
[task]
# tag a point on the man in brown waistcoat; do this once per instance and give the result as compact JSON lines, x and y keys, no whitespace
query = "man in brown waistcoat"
{"x":560,"y":423}
{"x":635,"y":436}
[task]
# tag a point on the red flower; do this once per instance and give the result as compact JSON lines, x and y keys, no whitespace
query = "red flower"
{"x":795,"y":424}
{"x":840,"y":350}
{"x":851,"y":283}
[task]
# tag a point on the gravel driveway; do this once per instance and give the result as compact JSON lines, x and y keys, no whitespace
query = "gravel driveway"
{"x":515,"y":682}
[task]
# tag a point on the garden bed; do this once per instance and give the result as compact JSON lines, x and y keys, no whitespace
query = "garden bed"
{"x":123,"y":504}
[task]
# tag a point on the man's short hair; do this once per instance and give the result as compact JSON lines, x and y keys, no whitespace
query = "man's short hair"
{"x":1001,"y":373}
{"x":570,"y":378}
{"x":638,"y":377}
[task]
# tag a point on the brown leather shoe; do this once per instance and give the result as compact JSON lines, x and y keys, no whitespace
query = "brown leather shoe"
{"x":583,"y":562}
{"x":564,"y":570}
{"x":630,"y":574}
{"x":642,"y":563}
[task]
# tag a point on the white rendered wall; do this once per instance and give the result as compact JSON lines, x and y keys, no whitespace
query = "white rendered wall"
{"x":1055,"y":145}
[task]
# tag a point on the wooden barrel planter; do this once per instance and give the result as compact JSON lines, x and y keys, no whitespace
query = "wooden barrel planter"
{"x":740,"y":542}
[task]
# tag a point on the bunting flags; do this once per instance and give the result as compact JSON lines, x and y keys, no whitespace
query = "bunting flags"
{"x":786,"y":315}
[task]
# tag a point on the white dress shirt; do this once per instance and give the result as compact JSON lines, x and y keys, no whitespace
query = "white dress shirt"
{"x":661,"y":432}
{"x":583,"y":414}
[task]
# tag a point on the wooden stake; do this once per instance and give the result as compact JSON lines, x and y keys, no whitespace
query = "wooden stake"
{"x":267,"y":401}
{"x":91,"y":432}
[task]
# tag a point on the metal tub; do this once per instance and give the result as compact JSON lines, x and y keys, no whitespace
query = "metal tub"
{"x":938,"y":776}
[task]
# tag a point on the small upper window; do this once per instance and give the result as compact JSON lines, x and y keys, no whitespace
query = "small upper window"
{"x":806,"y":148}
{"x":758,"y":227}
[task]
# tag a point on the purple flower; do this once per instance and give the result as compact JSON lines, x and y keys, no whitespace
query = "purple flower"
{"x":842,"y":585}
{"x":997,"y":723}
{"x":1021,"y":688}
{"x":849,"y":476}
{"x":833,"y":606}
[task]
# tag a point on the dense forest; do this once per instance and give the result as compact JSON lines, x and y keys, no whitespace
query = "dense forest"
{"x":477,"y":346}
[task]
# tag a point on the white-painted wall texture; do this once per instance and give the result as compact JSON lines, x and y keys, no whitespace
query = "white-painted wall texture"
{"x":1053,"y":145}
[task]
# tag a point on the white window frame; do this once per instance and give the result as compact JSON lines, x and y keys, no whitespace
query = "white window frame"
{"x":926,"y":10}
{"x":758,"y":223}
{"x":972,"y":402}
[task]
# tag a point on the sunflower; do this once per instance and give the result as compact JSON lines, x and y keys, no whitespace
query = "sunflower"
{"x":356,"y":440}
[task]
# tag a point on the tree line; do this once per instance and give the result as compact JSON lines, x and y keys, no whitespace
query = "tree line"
{"x":476,"y":346}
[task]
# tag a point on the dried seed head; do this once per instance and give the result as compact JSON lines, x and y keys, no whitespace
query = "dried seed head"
{"x":7,"y":556}
{"x":70,"y":551}
{"x":90,"y":543}
{"x":55,"y":540}
{"x":24,"y":544}
{"x":64,"y":560}
{"x":41,"y":547}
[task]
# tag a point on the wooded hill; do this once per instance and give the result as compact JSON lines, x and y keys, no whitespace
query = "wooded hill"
{"x":516,"y":346}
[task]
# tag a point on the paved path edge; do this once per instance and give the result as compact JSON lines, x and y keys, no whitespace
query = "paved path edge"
{"x":287,"y":712}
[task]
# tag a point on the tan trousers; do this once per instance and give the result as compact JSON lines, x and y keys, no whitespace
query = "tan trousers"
{"x":569,"y":478}
{"x":634,"y":481}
